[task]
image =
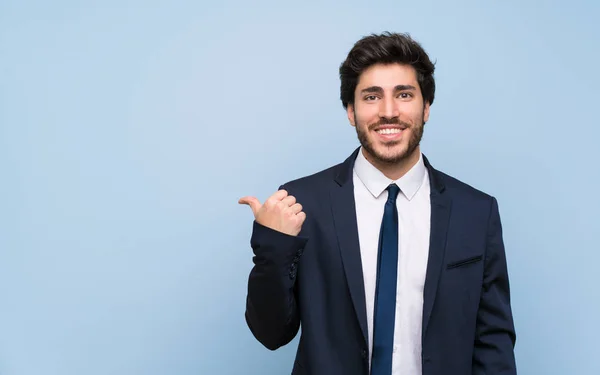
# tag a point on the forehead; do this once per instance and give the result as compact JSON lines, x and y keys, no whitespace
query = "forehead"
{"x":387,"y":76}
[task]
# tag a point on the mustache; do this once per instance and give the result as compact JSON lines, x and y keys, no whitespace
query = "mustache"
{"x":389,"y":121}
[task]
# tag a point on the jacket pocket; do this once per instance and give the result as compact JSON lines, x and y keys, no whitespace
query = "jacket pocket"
{"x":464,"y":262}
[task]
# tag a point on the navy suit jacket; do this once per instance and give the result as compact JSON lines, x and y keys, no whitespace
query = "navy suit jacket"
{"x":314,"y":281}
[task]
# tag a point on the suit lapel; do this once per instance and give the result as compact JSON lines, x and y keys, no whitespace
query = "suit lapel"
{"x":440,"y":216}
{"x":346,"y":229}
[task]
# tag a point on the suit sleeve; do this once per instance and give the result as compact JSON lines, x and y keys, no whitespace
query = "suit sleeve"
{"x":495,"y":333}
{"x":271,"y":305}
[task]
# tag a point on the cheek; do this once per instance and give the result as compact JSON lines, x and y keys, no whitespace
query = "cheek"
{"x":366,"y":115}
{"x":415,"y":113}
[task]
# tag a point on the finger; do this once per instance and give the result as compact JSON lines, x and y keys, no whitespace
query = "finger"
{"x":279,"y":195}
{"x":289,"y":200}
{"x":301,"y":216}
{"x":296,"y":208}
{"x":252,"y":202}
{"x":276,"y":198}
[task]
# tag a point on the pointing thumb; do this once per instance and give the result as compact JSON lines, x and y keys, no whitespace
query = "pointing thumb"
{"x":252,"y":202}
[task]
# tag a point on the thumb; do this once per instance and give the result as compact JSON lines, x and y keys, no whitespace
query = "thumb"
{"x":252,"y":202}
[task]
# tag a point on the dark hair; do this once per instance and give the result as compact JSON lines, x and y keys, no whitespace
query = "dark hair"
{"x":386,"y":48}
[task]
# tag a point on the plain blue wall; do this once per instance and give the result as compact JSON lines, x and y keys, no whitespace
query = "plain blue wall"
{"x":129,"y":129}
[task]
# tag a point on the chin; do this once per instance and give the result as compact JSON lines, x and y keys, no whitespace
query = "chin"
{"x":392,"y":158}
{"x":391,"y":154}
{"x":388,"y":156}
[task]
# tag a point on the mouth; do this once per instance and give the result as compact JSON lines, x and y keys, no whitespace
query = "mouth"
{"x":389,"y":132}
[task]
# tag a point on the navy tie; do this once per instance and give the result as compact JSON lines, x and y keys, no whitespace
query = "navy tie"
{"x":385,"y":294}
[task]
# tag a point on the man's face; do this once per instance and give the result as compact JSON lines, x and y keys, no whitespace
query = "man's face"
{"x":388,"y":112}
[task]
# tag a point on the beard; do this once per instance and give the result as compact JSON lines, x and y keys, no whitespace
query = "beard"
{"x":390,"y":157}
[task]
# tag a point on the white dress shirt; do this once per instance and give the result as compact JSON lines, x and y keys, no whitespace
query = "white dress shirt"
{"x":414,"y":210}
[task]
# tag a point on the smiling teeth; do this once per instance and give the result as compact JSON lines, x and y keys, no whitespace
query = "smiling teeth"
{"x":389,"y":131}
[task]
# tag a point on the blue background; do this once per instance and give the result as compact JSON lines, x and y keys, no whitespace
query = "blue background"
{"x":129,"y":129}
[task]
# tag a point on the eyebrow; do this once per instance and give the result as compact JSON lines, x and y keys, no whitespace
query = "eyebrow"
{"x":379,"y":90}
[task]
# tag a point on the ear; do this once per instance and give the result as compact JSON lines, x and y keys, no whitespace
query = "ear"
{"x":350,"y":113}
{"x":426,"y":112}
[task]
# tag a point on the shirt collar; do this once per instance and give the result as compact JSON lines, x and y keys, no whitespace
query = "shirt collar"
{"x":376,"y":182}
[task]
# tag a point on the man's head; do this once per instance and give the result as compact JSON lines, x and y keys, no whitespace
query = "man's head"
{"x":387,"y":87}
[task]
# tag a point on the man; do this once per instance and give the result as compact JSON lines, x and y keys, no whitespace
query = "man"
{"x":389,"y":266}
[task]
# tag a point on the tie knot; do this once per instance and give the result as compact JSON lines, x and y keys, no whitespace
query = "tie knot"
{"x":393,"y":191}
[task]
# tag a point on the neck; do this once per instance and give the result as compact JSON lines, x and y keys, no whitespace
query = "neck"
{"x":394,"y":171}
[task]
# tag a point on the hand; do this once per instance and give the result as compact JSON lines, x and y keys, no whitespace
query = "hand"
{"x":279,"y":212}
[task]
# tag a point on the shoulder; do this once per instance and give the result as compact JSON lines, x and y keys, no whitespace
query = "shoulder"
{"x":474,"y":208}
{"x":465,"y":196}
{"x":461,"y":189}
{"x":453,"y":186}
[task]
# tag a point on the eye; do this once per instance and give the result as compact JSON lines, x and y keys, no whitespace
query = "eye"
{"x":370,"y":97}
{"x":405,"y":95}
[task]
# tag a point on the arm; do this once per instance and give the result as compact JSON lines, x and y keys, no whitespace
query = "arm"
{"x":271,"y":309}
{"x":495,"y":333}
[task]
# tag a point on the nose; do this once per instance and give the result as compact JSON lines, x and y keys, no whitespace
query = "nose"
{"x":387,"y":108}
